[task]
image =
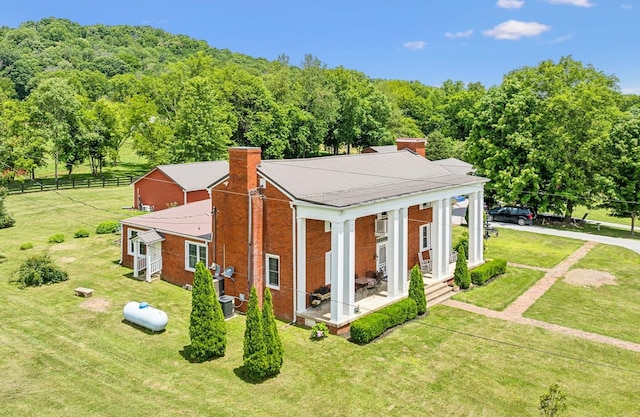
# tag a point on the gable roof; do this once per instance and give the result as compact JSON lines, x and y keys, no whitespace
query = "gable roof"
{"x":381,"y":149}
{"x":193,"y":219}
{"x":195,"y":176}
{"x":455,"y":166}
{"x":347,"y":180}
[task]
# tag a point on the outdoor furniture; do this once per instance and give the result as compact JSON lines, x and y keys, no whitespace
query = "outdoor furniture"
{"x":426,"y":265}
{"x":366,"y":283}
{"x":83,"y":292}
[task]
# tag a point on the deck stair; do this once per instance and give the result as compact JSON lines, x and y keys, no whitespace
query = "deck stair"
{"x":437,"y":293}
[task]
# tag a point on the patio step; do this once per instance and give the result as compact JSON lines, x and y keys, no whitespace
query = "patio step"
{"x":437,"y":293}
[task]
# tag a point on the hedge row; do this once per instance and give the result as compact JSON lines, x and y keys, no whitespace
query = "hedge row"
{"x":486,"y":271}
{"x":373,"y":325}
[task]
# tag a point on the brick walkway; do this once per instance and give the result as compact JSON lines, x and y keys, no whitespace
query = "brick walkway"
{"x":514,"y":311}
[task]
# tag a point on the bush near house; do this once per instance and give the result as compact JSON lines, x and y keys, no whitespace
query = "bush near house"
{"x":272,"y":339}
{"x":461,"y":275}
{"x":416,"y":290}
{"x":488,"y":270}
{"x":80,"y":233}
{"x":319,"y":331}
{"x":27,"y":245}
{"x":256,"y":363}
{"x":107,"y":227}
{"x":57,"y":238}
{"x":373,"y":325}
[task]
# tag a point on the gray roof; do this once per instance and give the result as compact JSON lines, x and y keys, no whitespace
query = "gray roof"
{"x":346,"y":180}
{"x":149,"y":237}
{"x":196,"y":175}
{"x":193,"y":219}
{"x":455,"y":166}
{"x":384,"y":148}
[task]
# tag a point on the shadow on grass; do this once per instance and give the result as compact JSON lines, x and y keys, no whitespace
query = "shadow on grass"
{"x":143,"y":329}
{"x":185,"y":352}
{"x":241,"y":372}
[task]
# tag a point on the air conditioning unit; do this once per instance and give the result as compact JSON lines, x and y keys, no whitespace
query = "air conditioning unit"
{"x":146,"y":208}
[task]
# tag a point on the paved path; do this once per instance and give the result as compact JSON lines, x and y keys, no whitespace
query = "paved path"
{"x":515,"y":310}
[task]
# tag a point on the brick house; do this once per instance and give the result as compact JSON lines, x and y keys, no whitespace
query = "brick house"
{"x":298,"y":225}
{"x":174,"y":185}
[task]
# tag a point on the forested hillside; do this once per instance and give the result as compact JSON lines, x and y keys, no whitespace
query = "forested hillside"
{"x":551,"y":136}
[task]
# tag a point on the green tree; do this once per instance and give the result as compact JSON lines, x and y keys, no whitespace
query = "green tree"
{"x":416,"y":289}
{"x":553,"y":403}
{"x":272,"y":341}
{"x":461,"y":275}
{"x":207,"y":328}
{"x":256,"y":362}
{"x":439,"y":146}
{"x":541,"y":135}
{"x":622,"y":181}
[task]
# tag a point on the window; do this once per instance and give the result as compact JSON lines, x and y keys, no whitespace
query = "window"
{"x":131,"y":250}
{"x":194,"y":253}
{"x":425,"y":237}
{"x":273,"y":271}
{"x":425,"y":205}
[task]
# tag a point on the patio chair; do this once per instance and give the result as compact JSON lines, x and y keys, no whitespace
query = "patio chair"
{"x":426,"y":265}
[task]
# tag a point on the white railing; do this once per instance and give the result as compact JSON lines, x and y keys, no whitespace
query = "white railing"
{"x":156,"y":266}
{"x":142,"y":264}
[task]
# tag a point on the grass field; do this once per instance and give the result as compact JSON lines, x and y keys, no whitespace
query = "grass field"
{"x":59,"y":358}
{"x":505,"y":289}
{"x":612,"y":310}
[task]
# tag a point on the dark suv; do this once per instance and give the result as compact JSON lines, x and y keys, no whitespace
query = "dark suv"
{"x":512,"y":214}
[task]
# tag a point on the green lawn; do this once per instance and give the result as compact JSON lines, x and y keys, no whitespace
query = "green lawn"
{"x":530,"y":248}
{"x":611,"y":310}
{"x":59,"y":358}
{"x":502,"y":291}
{"x":600,"y":215}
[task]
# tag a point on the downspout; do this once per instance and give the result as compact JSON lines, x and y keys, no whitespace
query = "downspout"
{"x":250,"y":242}
{"x":294,"y":251}
{"x":184,"y":192}
{"x":214,"y":212}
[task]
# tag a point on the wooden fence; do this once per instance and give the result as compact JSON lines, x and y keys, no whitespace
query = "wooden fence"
{"x":30,"y":186}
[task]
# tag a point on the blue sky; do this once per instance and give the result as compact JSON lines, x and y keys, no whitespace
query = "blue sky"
{"x":425,"y":40}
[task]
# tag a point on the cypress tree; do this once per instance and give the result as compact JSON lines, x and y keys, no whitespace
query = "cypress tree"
{"x":416,"y":289}
{"x":207,"y":329}
{"x":461,"y":276}
{"x":255,"y":351}
{"x":272,"y":340}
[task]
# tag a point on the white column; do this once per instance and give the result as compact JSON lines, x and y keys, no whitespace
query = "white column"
{"x":301,"y":264}
{"x":148,"y":261}
{"x":135,"y":258}
{"x":446,"y":235}
{"x":476,"y":227}
{"x":393,"y":255}
{"x":337,"y":270}
{"x":437,"y":239}
{"x":403,"y":251}
{"x":348,"y":285}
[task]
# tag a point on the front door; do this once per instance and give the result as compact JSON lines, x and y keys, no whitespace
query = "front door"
{"x":381,"y":257}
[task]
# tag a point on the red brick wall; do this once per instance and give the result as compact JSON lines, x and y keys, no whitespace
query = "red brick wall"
{"x":417,"y":218}
{"x":365,"y":245}
{"x":197,"y":195}
{"x":417,"y":145}
{"x":157,"y":190}
{"x":318,"y":244}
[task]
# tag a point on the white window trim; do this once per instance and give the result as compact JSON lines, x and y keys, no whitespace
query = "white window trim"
{"x":327,"y":226}
{"x":186,"y":254}
{"x":425,"y":205}
{"x":266,"y":270}
{"x":425,"y":228}
{"x":129,"y":237}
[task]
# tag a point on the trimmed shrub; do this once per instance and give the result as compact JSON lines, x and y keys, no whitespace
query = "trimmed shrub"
{"x":488,"y":270}
{"x":416,"y":290}
{"x":5,"y":219}
{"x":319,"y":331}
{"x":39,"y":270}
{"x":369,"y":327}
{"x":461,"y":275}
{"x":462,"y":241}
{"x":26,"y":246}
{"x":275,"y":351}
{"x":57,"y":238}
{"x":254,"y":357}
{"x":107,"y":227}
{"x":207,"y":329}
{"x":81,"y":233}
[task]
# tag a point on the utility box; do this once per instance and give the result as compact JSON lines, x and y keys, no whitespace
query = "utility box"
{"x":226,"y":302}
{"x":218,"y":284}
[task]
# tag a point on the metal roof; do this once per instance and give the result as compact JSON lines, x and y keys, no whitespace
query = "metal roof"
{"x":347,"y":180}
{"x":149,"y":237}
{"x":196,"y":175}
{"x":455,"y":166}
{"x":193,"y":219}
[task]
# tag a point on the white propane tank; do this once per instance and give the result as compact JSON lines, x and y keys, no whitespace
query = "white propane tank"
{"x":146,"y":316}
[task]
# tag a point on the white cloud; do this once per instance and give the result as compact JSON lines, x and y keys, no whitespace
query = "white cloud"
{"x":514,"y":29}
{"x":561,"y":39}
{"x":579,"y":3}
{"x":510,"y":4}
{"x":456,"y":35}
{"x":626,"y":6}
{"x":415,"y":45}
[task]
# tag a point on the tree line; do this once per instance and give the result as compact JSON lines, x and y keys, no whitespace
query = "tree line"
{"x":550,"y":136}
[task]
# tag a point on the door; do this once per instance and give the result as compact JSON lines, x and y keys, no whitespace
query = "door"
{"x":381,"y":257}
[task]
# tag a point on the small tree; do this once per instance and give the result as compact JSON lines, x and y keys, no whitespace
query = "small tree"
{"x":416,"y":290}
{"x":461,"y":276}
{"x":5,"y":219}
{"x":272,"y":340}
{"x":207,"y":328}
{"x":39,"y":270}
{"x":255,"y":351}
{"x":552,"y":404}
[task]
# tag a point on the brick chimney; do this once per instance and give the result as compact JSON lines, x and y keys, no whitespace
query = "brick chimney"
{"x":243,"y":163}
{"x":414,"y":144}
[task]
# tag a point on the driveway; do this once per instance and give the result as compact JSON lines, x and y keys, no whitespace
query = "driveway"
{"x":633,"y":244}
